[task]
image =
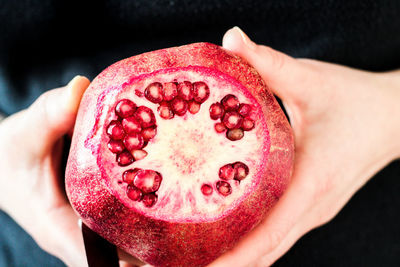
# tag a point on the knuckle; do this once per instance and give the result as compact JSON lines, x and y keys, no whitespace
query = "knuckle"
{"x":322,"y":188}
{"x":273,"y":239}
{"x":276,"y":58}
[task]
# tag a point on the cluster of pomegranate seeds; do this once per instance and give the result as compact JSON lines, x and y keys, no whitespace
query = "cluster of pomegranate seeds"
{"x":136,"y":126}
{"x":234,"y":117}
{"x":142,"y":185}
{"x":131,"y":132}
{"x":232,"y":171}
{"x":237,"y":170}
{"x":177,"y":98}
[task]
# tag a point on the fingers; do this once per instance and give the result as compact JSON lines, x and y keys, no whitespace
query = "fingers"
{"x":53,"y":114}
{"x":60,"y":235}
{"x":268,"y":237}
{"x":280,"y":71}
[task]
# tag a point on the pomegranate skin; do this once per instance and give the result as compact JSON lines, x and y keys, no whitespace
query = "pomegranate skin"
{"x":160,"y":242}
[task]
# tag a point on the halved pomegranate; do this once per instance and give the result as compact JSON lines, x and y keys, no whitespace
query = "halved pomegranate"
{"x":177,"y":154}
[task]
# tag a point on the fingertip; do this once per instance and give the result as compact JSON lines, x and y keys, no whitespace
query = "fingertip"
{"x":74,"y":92}
{"x":235,"y":40}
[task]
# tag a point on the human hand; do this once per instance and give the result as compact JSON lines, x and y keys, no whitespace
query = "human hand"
{"x":346,"y":127}
{"x":30,"y":175}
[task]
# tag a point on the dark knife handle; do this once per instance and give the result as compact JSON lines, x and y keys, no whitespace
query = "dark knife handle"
{"x":99,"y":252}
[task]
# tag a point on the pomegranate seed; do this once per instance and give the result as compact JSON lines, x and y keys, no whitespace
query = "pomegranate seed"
{"x":139,"y":154}
{"x":247,"y":124}
{"x":235,"y":134}
{"x":115,"y":146}
{"x":219,"y":127}
{"x":131,"y":125}
{"x":232,"y":120}
{"x":115,"y":130}
{"x":170,"y":91}
{"x":138,"y":93}
{"x":201,"y":92}
{"x":224,"y":188}
{"x":149,"y":133}
{"x":165,"y":111}
{"x":244,"y":109}
{"x":216,"y":111}
{"x":125,"y":108}
{"x":153,"y":92}
{"x":241,"y":170}
{"x":125,"y":158}
{"x":129,"y":175}
{"x":206,"y":189}
{"x":179,"y":106}
{"x":185,"y":90}
{"x":230,"y":102}
{"x":149,"y":200}
{"x":133,"y":141}
{"x":227,"y":172}
{"x":145,"y":116}
{"x":147,"y":180}
{"x":134,"y":193}
{"x":194,"y":107}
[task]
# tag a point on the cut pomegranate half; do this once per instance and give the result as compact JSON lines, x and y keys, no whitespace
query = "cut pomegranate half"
{"x":177,"y":154}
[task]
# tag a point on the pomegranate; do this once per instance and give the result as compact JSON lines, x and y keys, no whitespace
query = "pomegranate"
{"x":178,"y":153}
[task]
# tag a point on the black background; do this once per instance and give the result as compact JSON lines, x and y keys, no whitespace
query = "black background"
{"x":43,"y":44}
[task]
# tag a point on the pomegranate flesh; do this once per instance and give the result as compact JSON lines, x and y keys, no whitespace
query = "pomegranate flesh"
{"x":177,"y":154}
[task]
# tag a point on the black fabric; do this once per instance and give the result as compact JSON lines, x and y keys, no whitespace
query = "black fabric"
{"x":44,"y":43}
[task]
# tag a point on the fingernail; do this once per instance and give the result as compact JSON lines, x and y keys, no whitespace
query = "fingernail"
{"x":246,"y":40}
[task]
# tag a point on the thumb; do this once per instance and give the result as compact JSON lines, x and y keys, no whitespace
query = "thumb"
{"x":53,"y":114}
{"x":280,"y":71}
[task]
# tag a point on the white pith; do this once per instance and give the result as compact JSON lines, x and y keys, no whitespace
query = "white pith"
{"x":188,"y":152}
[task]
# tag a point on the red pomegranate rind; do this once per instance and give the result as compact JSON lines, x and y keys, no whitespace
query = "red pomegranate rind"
{"x":103,"y":212}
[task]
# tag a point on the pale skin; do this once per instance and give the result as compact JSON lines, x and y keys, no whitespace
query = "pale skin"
{"x":346,"y":125}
